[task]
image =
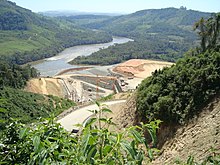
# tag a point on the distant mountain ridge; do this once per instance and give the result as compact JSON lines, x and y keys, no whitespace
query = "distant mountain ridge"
{"x":162,"y":34}
{"x":26,"y":36}
{"x":61,"y":13}
{"x":146,"y":20}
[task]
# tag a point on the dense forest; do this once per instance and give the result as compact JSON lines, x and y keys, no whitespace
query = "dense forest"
{"x":176,"y":94}
{"x":144,"y":49}
{"x":26,"y":36}
{"x":15,"y":76}
{"x":163,"y":34}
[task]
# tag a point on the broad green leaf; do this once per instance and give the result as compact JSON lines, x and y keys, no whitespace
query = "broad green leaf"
{"x":190,"y":160}
{"x":36,"y":142}
{"x":91,"y":154}
{"x":103,"y":120}
{"x":89,"y":122}
{"x":97,"y":103}
{"x":150,"y":154}
{"x":107,"y":149}
{"x":137,"y":136}
{"x":106,"y":110}
{"x":85,"y":140}
{"x":2,"y":110}
{"x":23,"y":133}
{"x":126,"y":146}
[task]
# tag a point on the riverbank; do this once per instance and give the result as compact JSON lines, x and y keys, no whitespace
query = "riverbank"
{"x":52,"y":66}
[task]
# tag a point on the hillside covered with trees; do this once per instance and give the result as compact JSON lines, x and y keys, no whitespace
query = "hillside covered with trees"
{"x":26,"y":36}
{"x":176,"y":94}
{"x":163,"y":34}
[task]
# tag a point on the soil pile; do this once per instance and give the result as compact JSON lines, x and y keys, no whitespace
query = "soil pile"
{"x":140,"y":68}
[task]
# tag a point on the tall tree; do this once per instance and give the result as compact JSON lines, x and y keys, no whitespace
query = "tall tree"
{"x":213,"y":27}
{"x":201,"y":26}
{"x":208,"y":31}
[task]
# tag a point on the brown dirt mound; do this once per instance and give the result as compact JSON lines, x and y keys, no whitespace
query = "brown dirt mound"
{"x":47,"y":86}
{"x":140,"y":68}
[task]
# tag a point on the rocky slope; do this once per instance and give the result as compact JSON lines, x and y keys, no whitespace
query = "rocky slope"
{"x":196,"y":138}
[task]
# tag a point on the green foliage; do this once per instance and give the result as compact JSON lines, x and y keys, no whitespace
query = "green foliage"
{"x":28,"y":107}
{"x":141,"y":49}
{"x":109,"y":97}
{"x":15,"y":76}
{"x":208,"y":31}
{"x":26,"y":36}
{"x":163,"y":34}
{"x":48,"y":143}
{"x":176,"y":94}
{"x":86,"y":20}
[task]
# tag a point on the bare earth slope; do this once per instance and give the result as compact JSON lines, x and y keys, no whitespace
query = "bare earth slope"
{"x":47,"y":86}
{"x":140,"y":68}
{"x":196,"y":139}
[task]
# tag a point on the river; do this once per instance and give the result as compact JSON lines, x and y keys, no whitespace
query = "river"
{"x":52,"y":66}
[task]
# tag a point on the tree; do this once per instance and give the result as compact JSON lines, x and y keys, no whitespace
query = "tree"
{"x":213,"y":30}
{"x":209,"y":32}
{"x":201,"y":26}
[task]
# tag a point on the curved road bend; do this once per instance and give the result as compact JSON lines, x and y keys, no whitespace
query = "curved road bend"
{"x":78,"y":116}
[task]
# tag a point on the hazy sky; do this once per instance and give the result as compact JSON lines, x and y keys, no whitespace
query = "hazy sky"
{"x":118,"y":6}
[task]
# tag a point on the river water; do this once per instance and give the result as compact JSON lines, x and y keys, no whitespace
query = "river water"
{"x":52,"y":66}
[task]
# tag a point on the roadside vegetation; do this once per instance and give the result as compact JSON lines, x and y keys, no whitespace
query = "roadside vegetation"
{"x":28,"y":107}
{"x":172,"y":95}
{"x":48,"y":143}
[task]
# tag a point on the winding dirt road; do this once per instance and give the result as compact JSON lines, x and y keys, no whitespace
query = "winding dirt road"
{"x":80,"y":115}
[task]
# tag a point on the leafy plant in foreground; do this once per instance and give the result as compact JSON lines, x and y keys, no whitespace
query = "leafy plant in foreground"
{"x":48,"y":143}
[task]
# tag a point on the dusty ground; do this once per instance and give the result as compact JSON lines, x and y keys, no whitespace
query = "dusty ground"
{"x":64,"y":86}
{"x":136,"y":70}
{"x":124,"y":114}
{"x":196,"y":139}
{"x":47,"y":86}
{"x":140,"y":68}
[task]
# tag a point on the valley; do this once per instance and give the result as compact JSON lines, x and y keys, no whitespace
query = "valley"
{"x":136,"y":88}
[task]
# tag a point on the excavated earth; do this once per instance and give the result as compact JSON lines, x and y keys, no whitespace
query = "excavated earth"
{"x":197,"y":138}
{"x":140,"y":68}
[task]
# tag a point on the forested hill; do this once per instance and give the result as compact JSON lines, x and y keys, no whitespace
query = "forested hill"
{"x":163,"y":34}
{"x":26,"y":36}
{"x":150,"y":21}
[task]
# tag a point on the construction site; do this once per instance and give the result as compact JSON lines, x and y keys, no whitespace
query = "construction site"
{"x":82,"y":88}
